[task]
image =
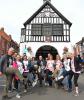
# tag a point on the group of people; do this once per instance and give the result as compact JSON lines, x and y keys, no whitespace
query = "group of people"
{"x":30,"y":71}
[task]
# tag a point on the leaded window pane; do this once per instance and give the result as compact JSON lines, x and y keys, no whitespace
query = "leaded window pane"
{"x":57,"y":29}
{"x":46,"y":29}
{"x":36,"y":29}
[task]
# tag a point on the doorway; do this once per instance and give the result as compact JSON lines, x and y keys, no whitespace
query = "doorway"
{"x":44,"y":50}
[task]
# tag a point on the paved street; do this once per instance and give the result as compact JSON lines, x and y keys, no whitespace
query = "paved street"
{"x":47,"y":93}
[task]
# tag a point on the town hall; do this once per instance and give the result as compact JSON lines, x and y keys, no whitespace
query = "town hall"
{"x":46,"y":31}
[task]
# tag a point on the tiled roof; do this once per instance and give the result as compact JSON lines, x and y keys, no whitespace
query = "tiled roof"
{"x":5,"y":36}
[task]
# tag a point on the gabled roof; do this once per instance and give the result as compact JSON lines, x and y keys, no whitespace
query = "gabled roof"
{"x":7,"y":37}
{"x":80,"y":41}
{"x":41,"y":8}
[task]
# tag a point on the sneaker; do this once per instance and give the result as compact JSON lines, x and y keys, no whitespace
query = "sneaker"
{"x":14,"y":88}
{"x":25,"y":91}
{"x":18,"y":96}
{"x":34,"y":83}
{"x":46,"y":84}
{"x":9,"y":91}
{"x":76,"y":94}
{"x":66,"y":89}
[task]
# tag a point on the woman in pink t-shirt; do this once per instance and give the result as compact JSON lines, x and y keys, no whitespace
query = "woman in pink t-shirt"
{"x":50,"y":64}
{"x":49,"y":69}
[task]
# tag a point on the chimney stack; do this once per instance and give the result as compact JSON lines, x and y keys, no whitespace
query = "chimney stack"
{"x":2,"y":29}
{"x":46,"y":0}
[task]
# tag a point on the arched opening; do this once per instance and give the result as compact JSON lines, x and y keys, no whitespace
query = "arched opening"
{"x":44,"y":50}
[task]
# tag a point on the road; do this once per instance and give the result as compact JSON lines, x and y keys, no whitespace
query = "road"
{"x":47,"y":93}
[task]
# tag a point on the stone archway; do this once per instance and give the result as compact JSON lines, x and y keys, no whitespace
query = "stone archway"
{"x":44,"y":50}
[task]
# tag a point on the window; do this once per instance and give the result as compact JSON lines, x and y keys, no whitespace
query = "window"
{"x":36,"y":29}
{"x":57,"y":29}
{"x":23,"y":31}
{"x":47,"y":29}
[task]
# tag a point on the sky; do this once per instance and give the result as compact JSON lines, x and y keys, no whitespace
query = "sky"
{"x":13,"y":13}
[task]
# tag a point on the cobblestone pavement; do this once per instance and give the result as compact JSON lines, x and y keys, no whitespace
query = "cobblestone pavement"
{"x":47,"y":93}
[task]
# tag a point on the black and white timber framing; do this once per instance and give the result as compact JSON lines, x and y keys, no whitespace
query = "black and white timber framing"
{"x":46,"y":24}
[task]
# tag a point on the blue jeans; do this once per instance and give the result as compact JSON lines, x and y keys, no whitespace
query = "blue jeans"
{"x":65,"y":82}
{"x":30,"y":77}
{"x":61,"y":72}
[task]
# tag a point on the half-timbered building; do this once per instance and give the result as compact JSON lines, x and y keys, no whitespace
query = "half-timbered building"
{"x":46,"y":31}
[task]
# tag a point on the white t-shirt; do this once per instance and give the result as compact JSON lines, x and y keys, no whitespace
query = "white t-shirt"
{"x":67,"y":64}
{"x":20,"y":67}
{"x":25,"y":65}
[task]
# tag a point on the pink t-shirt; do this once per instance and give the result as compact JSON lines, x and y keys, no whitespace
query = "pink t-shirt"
{"x":16,"y":67}
{"x":50,"y":64}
